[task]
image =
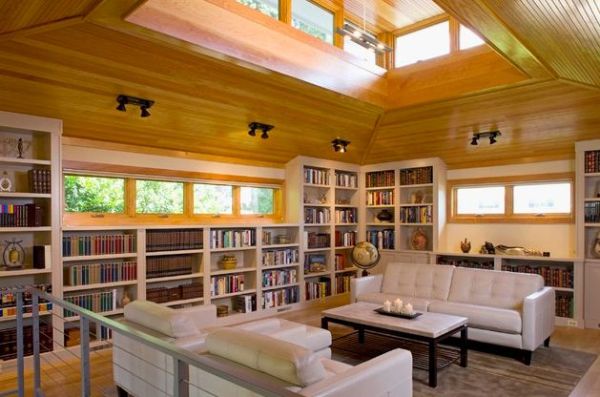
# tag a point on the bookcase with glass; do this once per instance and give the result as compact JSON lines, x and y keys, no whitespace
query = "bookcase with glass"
{"x":233,"y":269}
{"x":174,"y":266}
{"x":29,"y":222}
{"x":280,"y":266}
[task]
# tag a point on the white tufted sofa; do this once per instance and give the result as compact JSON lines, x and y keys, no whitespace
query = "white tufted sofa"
{"x":503,"y":308}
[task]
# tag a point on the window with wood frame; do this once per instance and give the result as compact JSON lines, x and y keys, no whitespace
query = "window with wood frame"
{"x":313,"y":19}
{"x":522,"y":199}
{"x":267,"y":7}
{"x":426,"y":43}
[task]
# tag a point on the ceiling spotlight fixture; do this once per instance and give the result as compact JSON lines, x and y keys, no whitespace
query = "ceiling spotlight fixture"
{"x":340,"y":145}
{"x":491,"y":134}
{"x":144,"y":104}
{"x":361,"y":36}
{"x":265,"y":128}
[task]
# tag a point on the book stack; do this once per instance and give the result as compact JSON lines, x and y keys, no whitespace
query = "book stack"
{"x":222,"y":285}
{"x":169,"y":240}
{"x":554,"y":276}
{"x":564,"y":305}
{"x":380,"y":179}
{"x":165,"y":266}
{"x":280,"y":257}
{"x":416,"y":176}
{"x":232,"y":238}
{"x":380,"y":197}
{"x":94,"y":273}
{"x":101,"y":301}
{"x":317,"y":215}
{"x":592,"y":162}
{"x":244,"y":303}
{"x":346,"y":179}
{"x":318,"y":289}
{"x":340,"y":262}
{"x":280,"y":297}
{"x":345,"y":239}
{"x":342,"y":283}
{"x":591,"y":212}
{"x":8,"y":347}
{"x":464,"y":262}
{"x":316,"y":176}
{"x":20,"y":215}
{"x":98,"y":244}
{"x":382,"y":239}
{"x":317,"y":240}
{"x":273,"y":278}
{"x":420,"y":214}
{"x":346,"y":215}
{"x":180,"y":292}
{"x":40,"y":180}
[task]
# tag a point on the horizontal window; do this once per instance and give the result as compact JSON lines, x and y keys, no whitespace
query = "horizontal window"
{"x":267,"y":7}
{"x":547,"y":198}
{"x":213,"y":199}
{"x":256,"y":200}
{"x":158,"y":197}
{"x":313,"y":19}
{"x":480,"y":200}
{"x":427,"y":43}
{"x":468,"y":39}
{"x":94,"y":194}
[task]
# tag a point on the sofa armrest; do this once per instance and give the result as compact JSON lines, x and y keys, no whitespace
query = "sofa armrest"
{"x":538,"y":318}
{"x":364,"y":285}
{"x":387,"y":375}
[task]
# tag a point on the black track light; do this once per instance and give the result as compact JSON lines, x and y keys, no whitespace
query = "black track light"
{"x":492,"y":139}
{"x":475,"y":140}
{"x":144,"y":104}
{"x":265,"y":128}
{"x":340,"y":145}
{"x":492,"y":135}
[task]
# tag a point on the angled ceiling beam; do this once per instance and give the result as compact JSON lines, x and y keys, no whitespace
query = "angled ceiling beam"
{"x":478,"y":17}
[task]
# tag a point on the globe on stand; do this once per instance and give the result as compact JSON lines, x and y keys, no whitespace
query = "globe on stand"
{"x":365,"y":256}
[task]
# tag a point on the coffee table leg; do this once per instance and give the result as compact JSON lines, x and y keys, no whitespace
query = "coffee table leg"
{"x":463,"y":347}
{"x":433,"y":363}
{"x":324,"y":323}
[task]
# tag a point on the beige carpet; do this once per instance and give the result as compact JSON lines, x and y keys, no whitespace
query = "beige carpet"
{"x":554,"y":372}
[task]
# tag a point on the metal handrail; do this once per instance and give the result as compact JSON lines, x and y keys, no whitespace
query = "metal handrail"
{"x":182,"y":359}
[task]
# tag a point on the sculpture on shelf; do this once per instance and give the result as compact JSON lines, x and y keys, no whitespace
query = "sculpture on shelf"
{"x":465,"y":246}
{"x":487,"y":248}
{"x":385,"y":216}
{"x":418,"y":241}
{"x":507,"y":250}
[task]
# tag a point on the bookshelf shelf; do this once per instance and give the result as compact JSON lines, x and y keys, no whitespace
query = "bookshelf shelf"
{"x":233,"y":271}
{"x":25,"y":229}
{"x":173,"y":278}
{"x":98,"y":257}
{"x":25,"y":195}
{"x":317,"y":185}
{"x":247,"y":248}
{"x":175,"y":252}
{"x":23,"y":272}
{"x":106,"y":314}
{"x":272,"y":246}
{"x":316,"y":274}
{"x":25,"y":315}
{"x":274,"y":287}
{"x":317,"y":249}
{"x":24,"y":162}
{"x":280,"y":266}
{"x":71,"y":288}
{"x":244,"y":292}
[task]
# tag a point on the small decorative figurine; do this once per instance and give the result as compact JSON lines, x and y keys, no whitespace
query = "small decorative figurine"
{"x":20,"y":148}
{"x":385,"y":216}
{"x":465,"y":246}
{"x":5,"y":183}
{"x":14,"y":254}
{"x":418,"y":241}
{"x":487,"y":248}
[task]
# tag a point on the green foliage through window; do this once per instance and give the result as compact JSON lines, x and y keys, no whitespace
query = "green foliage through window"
{"x":94,"y":194}
{"x":256,"y":200}
{"x":312,"y":19}
{"x":213,"y":199}
{"x":158,"y":197}
{"x":267,"y":7}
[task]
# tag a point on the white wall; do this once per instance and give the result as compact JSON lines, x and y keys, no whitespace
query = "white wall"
{"x":558,"y":239}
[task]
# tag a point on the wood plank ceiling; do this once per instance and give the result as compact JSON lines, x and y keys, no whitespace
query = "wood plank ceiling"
{"x":204,"y":100}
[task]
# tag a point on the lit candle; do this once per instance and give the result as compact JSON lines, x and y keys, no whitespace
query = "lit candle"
{"x":398,"y":305}
{"x":387,"y":306}
{"x":409,"y":308}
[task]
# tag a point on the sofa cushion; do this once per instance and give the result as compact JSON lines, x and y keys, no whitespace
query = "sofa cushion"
{"x":202,"y":315}
{"x":417,"y":280}
{"x":283,"y":360}
{"x":160,"y":318}
{"x":484,"y":317}
{"x":419,"y":304}
{"x":493,"y":288}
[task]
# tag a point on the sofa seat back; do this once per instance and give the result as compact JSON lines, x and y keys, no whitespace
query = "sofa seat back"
{"x":493,"y":288}
{"x":417,"y":280}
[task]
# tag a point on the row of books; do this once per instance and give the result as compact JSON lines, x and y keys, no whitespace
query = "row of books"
{"x":100,"y":244}
{"x":318,"y":289}
{"x":168,"y":240}
{"x":380,"y":178}
{"x":101,"y":301}
{"x":345,"y":239}
{"x":339,"y":261}
{"x":221,"y":285}
{"x":380,"y":197}
{"x":273,"y":278}
{"x":564,"y":305}
{"x":346,"y":179}
{"x":280,"y":297}
{"x":8,"y":346}
{"x":278,"y":257}
{"x":591,"y":211}
{"x":165,"y":266}
{"x":94,"y":273}
{"x":553,"y":276}
{"x":346,"y":215}
{"x":40,"y":180}
{"x":316,"y":176}
{"x":416,"y":176}
{"x":11,"y":311}
{"x":317,"y":215}
{"x":382,"y":238}
{"x":234,"y":238}
{"x":20,"y":215}
{"x":592,"y":161}
{"x":460,"y":262}
{"x":317,"y":240}
{"x":186,"y":291}
{"x":420,"y":214}
{"x":244,"y":303}
{"x":342,"y":283}
{"x":8,"y":295}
